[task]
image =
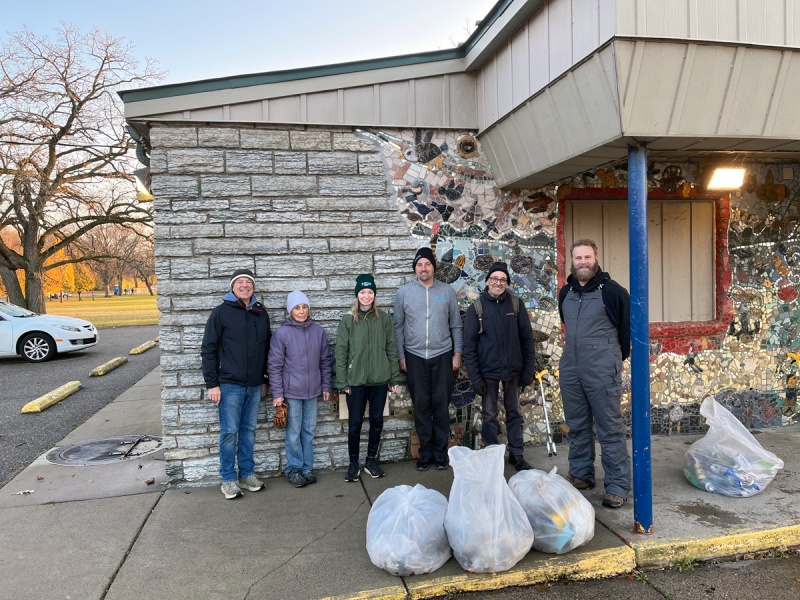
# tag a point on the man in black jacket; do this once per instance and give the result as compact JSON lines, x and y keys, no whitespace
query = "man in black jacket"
{"x":234,"y":353}
{"x":499,"y":347}
{"x":595,"y":311}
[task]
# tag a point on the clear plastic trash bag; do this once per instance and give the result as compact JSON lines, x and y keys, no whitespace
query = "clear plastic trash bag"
{"x":405,"y":531}
{"x":561,"y":518}
{"x":487,"y":528}
{"x":728,"y":460}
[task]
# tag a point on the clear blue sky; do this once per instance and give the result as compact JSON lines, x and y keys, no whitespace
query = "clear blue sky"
{"x":203,"y":39}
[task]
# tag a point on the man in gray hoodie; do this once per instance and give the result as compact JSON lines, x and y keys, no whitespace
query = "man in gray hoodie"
{"x":428,"y":328}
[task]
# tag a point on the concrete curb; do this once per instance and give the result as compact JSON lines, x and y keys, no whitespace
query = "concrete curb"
{"x":108,"y":366}
{"x":671,"y":551}
{"x":143,"y":347}
{"x":592,"y":565}
{"x":54,"y":397}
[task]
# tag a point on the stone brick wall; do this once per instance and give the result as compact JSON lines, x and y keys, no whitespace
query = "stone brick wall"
{"x":304,"y":209}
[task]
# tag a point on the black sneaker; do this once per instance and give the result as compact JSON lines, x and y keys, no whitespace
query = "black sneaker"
{"x":423,"y":464}
{"x":296,"y":478}
{"x":372,"y":468}
{"x":352,"y":472}
{"x":309,"y":477}
{"x":440,"y":464}
{"x":519,"y":462}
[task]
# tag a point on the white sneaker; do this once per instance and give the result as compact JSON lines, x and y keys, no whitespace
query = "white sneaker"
{"x":231,"y":490}
{"x":251,"y":483}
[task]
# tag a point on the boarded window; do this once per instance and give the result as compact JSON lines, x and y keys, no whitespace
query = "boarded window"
{"x":680,"y":247}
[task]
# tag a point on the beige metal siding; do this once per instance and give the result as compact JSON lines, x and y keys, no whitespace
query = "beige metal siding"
{"x":692,"y":90}
{"x":680,"y":246}
{"x":552,"y":41}
{"x":574,"y":115}
{"x":770,"y":22}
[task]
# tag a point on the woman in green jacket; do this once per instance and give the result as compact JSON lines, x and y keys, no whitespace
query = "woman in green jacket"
{"x":367,"y":368}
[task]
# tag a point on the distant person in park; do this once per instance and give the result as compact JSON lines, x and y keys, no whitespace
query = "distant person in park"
{"x":429,"y":331}
{"x":300,"y":370}
{"x":367,"y":369}
{"x":235,"y":348}
{"x":499,"y":348}
{"x":595,"y":311}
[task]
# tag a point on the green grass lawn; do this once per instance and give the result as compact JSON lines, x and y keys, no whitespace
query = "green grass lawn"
{"x":114,"y":311}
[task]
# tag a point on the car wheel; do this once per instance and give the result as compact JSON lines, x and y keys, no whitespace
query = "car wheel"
{"x":37,"y":347}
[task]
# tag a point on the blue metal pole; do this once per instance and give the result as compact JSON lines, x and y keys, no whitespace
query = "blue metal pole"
{"x":640,"y":340}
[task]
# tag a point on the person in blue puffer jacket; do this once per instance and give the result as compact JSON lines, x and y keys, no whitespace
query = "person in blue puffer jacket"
{"x":300,"y":370}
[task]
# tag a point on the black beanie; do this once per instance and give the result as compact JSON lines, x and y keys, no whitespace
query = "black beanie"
{"x":424,"y":253}
{"x":243,"y":273}
{"x":499,"y":266}
{"x":365,"y":282}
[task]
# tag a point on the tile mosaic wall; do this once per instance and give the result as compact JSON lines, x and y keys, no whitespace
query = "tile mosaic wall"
{"x":448,"y":197}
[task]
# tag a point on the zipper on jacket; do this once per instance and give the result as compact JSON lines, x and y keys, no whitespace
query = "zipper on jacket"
{"x":427,"y":320}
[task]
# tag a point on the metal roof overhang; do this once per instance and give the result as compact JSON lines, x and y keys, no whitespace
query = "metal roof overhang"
{"x":689,"y":101}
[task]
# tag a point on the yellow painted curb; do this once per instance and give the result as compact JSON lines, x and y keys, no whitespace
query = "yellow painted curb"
{"x":588,"y":565}
{"x":666,"y":552}
{"x":57,"y":395}
{"x":396,"y":592}
{"x":108,"y":367}
{"x":143,"y":348}
{"x":158,"y":338}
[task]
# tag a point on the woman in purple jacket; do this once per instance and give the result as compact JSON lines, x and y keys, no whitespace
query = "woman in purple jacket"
{"x":300,"y":366}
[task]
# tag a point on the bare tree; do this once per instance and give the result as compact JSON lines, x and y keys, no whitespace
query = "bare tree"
{"x":143,"y":263}
{"x":62,"y":148}
{"x":113,"y":249}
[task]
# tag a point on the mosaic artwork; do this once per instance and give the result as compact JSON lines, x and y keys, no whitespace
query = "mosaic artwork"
{"x":448,"y":196}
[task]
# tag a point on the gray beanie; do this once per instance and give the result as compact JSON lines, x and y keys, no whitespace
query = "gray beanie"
{"x":296,"y":297}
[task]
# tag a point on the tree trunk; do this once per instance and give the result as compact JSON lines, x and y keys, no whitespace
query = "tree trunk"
{"x":149,"y":287}
{"x":34,"y":292}
{"x":11,"y":283}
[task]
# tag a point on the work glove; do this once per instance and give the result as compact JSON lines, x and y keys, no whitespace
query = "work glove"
{"x":479,"y":386}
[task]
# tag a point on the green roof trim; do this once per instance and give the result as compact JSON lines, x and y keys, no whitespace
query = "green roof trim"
{"x":239,"y":81}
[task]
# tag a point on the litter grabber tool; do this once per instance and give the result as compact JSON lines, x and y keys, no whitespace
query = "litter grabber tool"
{"x":551,"y":445}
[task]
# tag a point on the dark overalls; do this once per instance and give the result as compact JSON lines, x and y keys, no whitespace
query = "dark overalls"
{"x":591,"y":386}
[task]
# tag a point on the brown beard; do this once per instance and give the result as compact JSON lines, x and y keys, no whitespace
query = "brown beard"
{"x":594,"y":271}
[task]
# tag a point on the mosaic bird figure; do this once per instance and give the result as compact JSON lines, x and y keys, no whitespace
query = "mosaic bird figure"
{"x":444,"y":209}
{"x":422,"y":209}
{"x":423,"y":151}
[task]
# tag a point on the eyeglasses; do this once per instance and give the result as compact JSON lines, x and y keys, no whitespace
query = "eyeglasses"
{"x":498,"y":281}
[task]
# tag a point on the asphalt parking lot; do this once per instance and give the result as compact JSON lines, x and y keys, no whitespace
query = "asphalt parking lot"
{"x":23,"y":437}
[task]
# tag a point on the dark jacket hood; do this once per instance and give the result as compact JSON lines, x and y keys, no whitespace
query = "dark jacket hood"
{"x":589,"y":286}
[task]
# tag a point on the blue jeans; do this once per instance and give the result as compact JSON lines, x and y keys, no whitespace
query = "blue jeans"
{"x":238,"y":414}
{"x":300,"y":430}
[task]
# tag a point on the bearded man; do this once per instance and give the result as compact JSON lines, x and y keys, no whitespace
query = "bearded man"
{"x":595,"y":311}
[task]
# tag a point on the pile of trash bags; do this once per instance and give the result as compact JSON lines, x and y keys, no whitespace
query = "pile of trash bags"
{"x":489,"y":524}
{"x":728,"y":460}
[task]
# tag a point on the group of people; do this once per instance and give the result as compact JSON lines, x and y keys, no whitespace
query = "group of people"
{"x":426,"y":339}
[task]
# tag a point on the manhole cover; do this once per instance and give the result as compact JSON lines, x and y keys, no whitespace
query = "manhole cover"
{"x":107,"y":450}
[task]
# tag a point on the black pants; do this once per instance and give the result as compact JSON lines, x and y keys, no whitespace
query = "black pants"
{"x":491,"y":428}
{"x":430,"y":382}
{"x":356,"y":405}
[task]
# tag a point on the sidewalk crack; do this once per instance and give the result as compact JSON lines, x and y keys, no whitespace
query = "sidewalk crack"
{"x":303,"y":548}
{"x":130,"y":546}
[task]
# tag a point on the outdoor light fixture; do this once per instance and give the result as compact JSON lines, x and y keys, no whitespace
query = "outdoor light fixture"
{"x":142,"y":178}
{"x":726,"y":179}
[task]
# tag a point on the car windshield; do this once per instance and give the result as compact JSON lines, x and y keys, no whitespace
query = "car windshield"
{"x":12,"y":310}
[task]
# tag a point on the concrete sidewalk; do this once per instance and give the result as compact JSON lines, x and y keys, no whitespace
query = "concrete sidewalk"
{"x":102,"y":532}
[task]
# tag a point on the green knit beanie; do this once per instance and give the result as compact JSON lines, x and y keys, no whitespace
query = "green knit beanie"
{"x":365,"y":282}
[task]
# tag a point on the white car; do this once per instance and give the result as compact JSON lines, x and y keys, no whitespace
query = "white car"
{"x":37,"y":338}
